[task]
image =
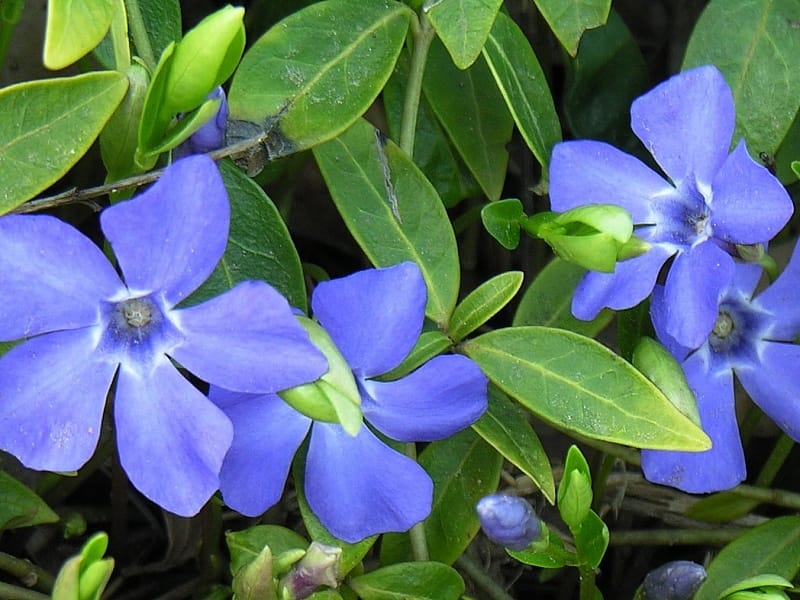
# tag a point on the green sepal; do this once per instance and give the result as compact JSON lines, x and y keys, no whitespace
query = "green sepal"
{"x":119,"y":138}
{"x":255,"y":580}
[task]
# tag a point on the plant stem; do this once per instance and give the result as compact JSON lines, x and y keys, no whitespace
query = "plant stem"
{"x":777,"y":497}
{"x":673,"y":537}
{"x":780,"y":452}
{"x":13,"y":592}
{"x":587,"y":579}
{"x":139,"y":34}
{"x":422,"y":35}
{"x":26,"y":571}
{"x":419,"y":542}
{"x":493,"y":589}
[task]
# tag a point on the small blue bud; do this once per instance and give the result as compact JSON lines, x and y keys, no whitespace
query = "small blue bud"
{"x":508,"y":520}
{"x":210,"y":136}
{"x":676,"y":580}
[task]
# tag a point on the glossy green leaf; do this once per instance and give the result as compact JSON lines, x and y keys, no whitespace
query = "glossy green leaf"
{"x":591,"y":540}
{"x":482,"y":303}
{"x":581,"y":386}
{"x":602,"y":81}
{"x":773,"y":548}
{"x":502,"y":221}
{"x":475,"y":118}
{"x":463,"y":26}
{"x":46,"y":126}
{"x":244,"y":546}
{"x":549,"y":553}
{"x":410,"y":581}
{"x":313,"y":74}
{"x":755,"y":44}
{"x":548,"y":300}
{"x":570,"y":18}
{"x":119,"y":138}
{"x":259,"y":244}
{"x":430,"y":344}
{"x":507,"y":429}
{"x":20,"y":506}
{"x":162,"y":24}
{"x":392,"y":210}
{"x":524,"y":87}
{"x":75,"y":27}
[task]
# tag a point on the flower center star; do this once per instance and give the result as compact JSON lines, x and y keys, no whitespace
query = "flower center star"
{"x":138,"y":312}
{"x":723,"y":326}
{"x":134,"y":320}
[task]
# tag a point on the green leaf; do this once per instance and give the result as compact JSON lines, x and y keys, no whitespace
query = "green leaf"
{"x":392,"y":211}
{"x":47,"y":125}
{"x":721,"y":507}
{"x":570,"y":18}
{"x":773,"y":548}
{"x":410,"y":581}
{"x":482,"y":303}
{"x":430,"y":344}
{"x":463,"y":26}
{"x":766,"y":580}
{"x":581,"y":386}
{"x":254,"y":580}
{"x":119,"y":138}
{"x":244,"y":546}
{"x":507,"y":429}
{"x":464,"y":468}
{"x":313,"y":74}
{"x":602,"y":81}
{"x":259,"y":244}
{"x":575,"y":489}
{"x":548,"y":301}
{"x":755,"y":45}
{"x":475,"y":118}
{"x":502,"y":221}
{"x":548,"y":554}
{"x":74,"y":27}
{"x":162,"y":23}
{"x":591,"y":540}
{"x":20,"y":506}
{"x":520,"y":78}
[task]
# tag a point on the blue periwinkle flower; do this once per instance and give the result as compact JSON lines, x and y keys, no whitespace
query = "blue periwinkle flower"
{"x":85,"y":326}
{"x":711,"y":201}
{"x":357,"y":485}
{"x":676,"y":580}
{"x":752,"y":338}
{"x":508,"y":520}
{"x":210,"y":136}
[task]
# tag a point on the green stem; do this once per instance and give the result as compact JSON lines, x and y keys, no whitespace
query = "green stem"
{"x":139,"y":33}
{"x":26,"y":572}
{"x":588,"y":587}
{"x":419,"y":542}
{"x":783,"y":498}
{"x":673,"y":537}
{"x":780,"y":452}
{"x":492,"y":589}
{"x":119,"y":37}
{"x":13,"y":592}
{"x":422,"y":36}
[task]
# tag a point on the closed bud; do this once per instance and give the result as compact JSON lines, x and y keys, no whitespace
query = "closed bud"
{"x":508,"y":520}
{"x":210,"y":136}
{"x":319,"y":566}
{"x":676,"y":580}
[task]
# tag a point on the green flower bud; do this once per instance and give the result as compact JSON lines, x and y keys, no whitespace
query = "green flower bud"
{"x":255,"y":580}
{"x":119,"y":138}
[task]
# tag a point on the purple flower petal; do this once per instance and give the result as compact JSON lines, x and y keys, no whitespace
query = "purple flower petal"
{"x":774,"y":384}
{"x":750,"y":205}
{"x":171,"y":237}
{"x":588,"y":172}
{"x":247,"y":340}
{"x":627,"y":286}
{"x":51,"y":276}
{"x":692,"y":292}
{"x":374,"y":316}
{"x":266,"y":434}
{"x":720,"y":468}
{"x":52,"y":394}
{"x":443,"y":396}
{"x":358,"y":486}
{"x":687,"y":123}
{"x":659,"y":311}
{"x":171,"y":438}
{"x":780,"y":298}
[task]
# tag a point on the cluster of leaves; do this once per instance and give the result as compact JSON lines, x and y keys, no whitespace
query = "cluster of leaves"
{"x":448,"y":81}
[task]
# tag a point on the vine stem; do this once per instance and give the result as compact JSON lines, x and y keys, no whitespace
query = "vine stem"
{"x":587,"y":579}
{"x":422,"y":35}
{"x":139,"y":34}
{"x":25,"y":571}
{"x":493,"y":589}
{"x":13,"y":592}
{"x":672,"y":537}
{"x":417,"y":536}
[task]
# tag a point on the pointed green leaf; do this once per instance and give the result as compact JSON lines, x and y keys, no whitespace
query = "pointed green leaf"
{"x":20,"y":506}
{"x":313,"y":74}
{"x":392,"y":210}
{"x":410,"y":581}
{"x":548,"y":300}
{"x":570,"y":18}
{"x":549,"y":553}
{"x":524,"y":87}
{"x":430,"y":344}
{"x":74,"y":27}
{"x":463,"y":26}
{"x":755,"y":44}
{"x":482,"y":303}
{"x":773,"y":548}
{"x":475,"y":118}
{"x":162,"y":23}
{"x":575,"y":489}
{"x":507,"y":429}
{"x":502,"y":221}
{"x":591,"y":540}
{"x":259,"y":244}
{"x":581,"y":386}
{"x":47,"y":125}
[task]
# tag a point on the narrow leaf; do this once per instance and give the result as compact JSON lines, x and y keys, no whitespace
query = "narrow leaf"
{"x":46,"y":126}
{"x":581,"y":386}
{"x":482,"y":303}
{"x":463,"y":26}
{"x":570,"y":18}
{"x":392,"y":210}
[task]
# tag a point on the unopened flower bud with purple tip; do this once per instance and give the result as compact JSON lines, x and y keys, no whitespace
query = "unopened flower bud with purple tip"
{"x":508,"y":520}
{"x":210,"y":136}
{"x":676,"y":580}
{"x":319,"y":566}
